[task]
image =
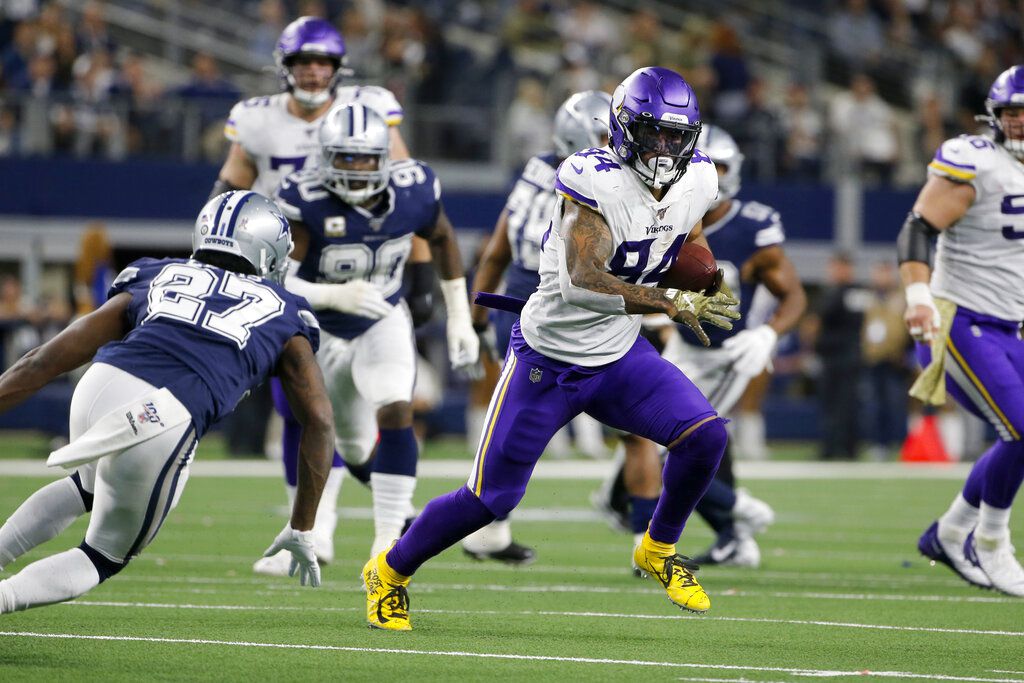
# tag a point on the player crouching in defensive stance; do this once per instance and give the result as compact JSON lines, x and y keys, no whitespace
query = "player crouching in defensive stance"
{"x":174,"y":348}
{"x":966,"y":316}
{"x":623,"y":212}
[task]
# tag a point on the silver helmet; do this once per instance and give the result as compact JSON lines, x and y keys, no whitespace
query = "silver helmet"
{"x":349,"y":132}
{"x":248,"y":225}
{"x":723,"y":150}
{"x":581,"y":121}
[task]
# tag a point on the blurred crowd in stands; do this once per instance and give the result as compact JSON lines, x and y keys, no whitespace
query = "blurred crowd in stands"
{"x":898,"y":75}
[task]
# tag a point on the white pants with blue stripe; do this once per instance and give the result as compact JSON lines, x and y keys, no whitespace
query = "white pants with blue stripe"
{"x":135,"y":489}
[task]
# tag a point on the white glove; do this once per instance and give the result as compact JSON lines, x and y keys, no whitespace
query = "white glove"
{"x":358,"y":297}
{"x":300,"y":545}
{"x":463,"y":344}
{"x":751,"y":350}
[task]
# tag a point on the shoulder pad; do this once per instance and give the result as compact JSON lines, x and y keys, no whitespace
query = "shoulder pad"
{"x":961,"y":159}
{"x":540,"y":173}
{"x":379,"y":99}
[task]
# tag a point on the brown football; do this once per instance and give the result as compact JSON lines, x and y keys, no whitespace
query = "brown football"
{"x":693,"y":270}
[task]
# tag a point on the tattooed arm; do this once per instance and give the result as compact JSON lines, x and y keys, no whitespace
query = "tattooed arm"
{"x":583,"y":278}
{"x":303,"y":383}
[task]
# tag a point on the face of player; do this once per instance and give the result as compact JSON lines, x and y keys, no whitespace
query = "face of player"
{"x":312,"y":73}
{"x":1012,"y":120}
{"x":356,"y":162}
{"x":660,"y":141}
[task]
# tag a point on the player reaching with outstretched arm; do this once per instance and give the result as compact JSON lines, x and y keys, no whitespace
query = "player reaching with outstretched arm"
{"x":275,"y":135}
{"x":623,"y":213}
{"x":965,"y":314}
{"x":174,"y":348}
{"x":354,"y":217}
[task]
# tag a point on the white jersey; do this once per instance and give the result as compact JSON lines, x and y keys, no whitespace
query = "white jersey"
{"x":646,"y":236}
{"x":980,"y":259}
{"x":280,"y":143}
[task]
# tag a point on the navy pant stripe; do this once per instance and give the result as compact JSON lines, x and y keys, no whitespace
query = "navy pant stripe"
{"x":154,"y":497}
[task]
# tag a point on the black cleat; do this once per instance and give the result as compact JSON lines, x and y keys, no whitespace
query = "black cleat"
{"x":514,"y":554}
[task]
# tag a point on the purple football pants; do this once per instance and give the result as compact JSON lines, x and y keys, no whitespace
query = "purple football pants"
{"x":640,"y":393}
{"x":985,"y":374}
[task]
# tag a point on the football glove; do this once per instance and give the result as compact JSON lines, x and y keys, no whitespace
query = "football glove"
{"x":300,"y":545}
{"x":695,"y":307}
{"x":463,"y":344}
{"x":751,"y":350}
{"x":358,"y":297}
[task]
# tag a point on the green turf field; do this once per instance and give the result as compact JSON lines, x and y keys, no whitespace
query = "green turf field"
{"x":842,"y":592}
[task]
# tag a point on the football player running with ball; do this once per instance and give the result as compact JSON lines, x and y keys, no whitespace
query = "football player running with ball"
{"x":174,"y":348}
{"x":353,"y":218}
{"x":622,"y":214}
{"x":747,"y":239}
{"x":965,"y":312}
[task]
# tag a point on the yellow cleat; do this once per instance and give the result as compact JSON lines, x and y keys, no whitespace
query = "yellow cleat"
{"x":675,"y":572}
{"x":387,"y":600}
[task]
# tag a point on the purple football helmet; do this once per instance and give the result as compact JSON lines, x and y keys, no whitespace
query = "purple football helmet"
{"x":309,"y":36}
{"x":654,"y":114}
{"x":1007,"y":91}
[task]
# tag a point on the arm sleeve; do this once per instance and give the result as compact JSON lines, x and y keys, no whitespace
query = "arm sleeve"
{"x":573,"y":182}
{"x":287,"y":199}
{"x":127,"y":277}
{"x":308,"y":326}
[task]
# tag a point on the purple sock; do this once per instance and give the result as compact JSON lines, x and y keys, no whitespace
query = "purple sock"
{"x":1003,"y":474}
{"x":640,"y":512}
{"x":688,"y":472}
{"x":290,"y":439}
{"x":397,"y":452}
{"x":975,"y":484}
{"x":444,"y":521}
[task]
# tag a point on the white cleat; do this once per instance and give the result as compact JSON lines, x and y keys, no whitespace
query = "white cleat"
{"x":996,"y":558}
{"x":751,"y":515}
{"x":275,"y":565}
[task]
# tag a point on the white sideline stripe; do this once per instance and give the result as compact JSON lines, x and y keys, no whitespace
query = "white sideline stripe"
{"x":823,"y":673}
{"x":559,"y":469}
{"x":550,"y":613}
{"x":278,"y":584}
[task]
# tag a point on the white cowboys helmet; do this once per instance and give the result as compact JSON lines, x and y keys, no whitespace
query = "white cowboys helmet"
{"x":350,"y":132}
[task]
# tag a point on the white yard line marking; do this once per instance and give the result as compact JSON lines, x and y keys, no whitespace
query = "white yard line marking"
{"x":569,"y":469}
{"x":550,"y":613}
{"x":281,"y":585}
{"x":517,"y":657}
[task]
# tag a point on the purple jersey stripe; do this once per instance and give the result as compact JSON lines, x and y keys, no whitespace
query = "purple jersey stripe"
{"x":939,"y":157}
{"x":565,"y":189}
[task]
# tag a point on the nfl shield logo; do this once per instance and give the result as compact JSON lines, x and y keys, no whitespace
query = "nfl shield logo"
{"x":536,"y":374}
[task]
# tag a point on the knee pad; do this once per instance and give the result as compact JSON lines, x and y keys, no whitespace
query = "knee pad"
{"x":707,"y":442}
{"x":76,"y":479}
{"x":105,"y":567}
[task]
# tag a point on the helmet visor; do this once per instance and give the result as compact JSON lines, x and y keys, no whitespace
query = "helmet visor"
{"x":665,"y":139}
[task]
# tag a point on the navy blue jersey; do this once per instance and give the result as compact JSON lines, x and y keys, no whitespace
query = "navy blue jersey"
{"x":747,"y":227}
{"x":529,"y":208}
{"x":207,"y":334}
{"x":349,"y":242}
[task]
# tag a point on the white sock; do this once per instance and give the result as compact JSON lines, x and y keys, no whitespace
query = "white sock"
{"x":993,"y":523}
{"x":749,"y":432}
{"x":476,"y":416}
{"x":392,"y":503}
{"x":45,"y":513}
{"x":590,"y":437}
{"x":57,"y":578}
{"x":560,"y":445}
{"x":953,"y":433}
{"x":327,"y":511}
{"x":494,"y":537}
{"x":959,"y":519}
